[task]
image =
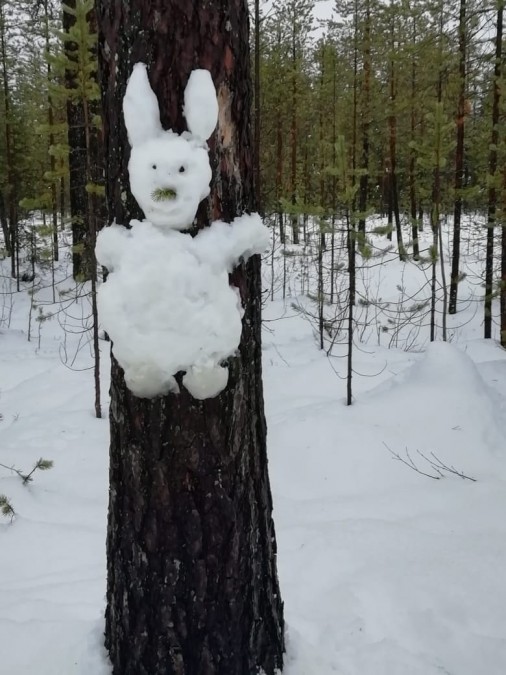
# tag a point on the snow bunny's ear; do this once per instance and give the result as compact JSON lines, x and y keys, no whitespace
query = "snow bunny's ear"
{"x":140,"y":108}
{"x":201,"y":104}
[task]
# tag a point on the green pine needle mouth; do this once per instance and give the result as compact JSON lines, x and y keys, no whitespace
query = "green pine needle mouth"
{"x":164,"y":195}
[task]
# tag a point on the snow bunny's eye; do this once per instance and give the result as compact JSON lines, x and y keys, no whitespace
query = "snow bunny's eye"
{"x":154,"y":166}
{"x":182,"y":169}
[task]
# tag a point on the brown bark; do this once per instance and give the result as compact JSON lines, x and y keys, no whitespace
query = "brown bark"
{"x":192,"y":582}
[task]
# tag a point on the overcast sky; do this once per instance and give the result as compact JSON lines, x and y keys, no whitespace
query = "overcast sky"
{"x":323,"y":8}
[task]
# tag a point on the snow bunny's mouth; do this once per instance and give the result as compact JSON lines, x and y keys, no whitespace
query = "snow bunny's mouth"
{"x":164,"y":194}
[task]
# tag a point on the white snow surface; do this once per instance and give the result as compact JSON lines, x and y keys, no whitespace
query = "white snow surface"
{"x":168,"y":305}
{"x":165,"y":160}
{"x":201,"y":104}
{"x":383,"y":571}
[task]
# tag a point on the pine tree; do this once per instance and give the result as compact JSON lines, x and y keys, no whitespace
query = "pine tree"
{"x":192,"y":584}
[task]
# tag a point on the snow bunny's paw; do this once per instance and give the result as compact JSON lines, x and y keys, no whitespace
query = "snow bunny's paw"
{"x":169,"y":173}
{"x":149,"y":381}
{"x":111,"y":244}
{"x":223,"y":245}
{"x":205,"y":381}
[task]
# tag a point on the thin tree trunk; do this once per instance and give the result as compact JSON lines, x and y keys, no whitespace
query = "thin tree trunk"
{"x":334,"y":184}
{"x":392,"y":124}
{"x":5,"y":225}
{"x":256,"y":154}
{"x":412,"y":158}
{"x":294,"y":138}
{"x":91,"y":217}
{"x":503,"y":272}
{"x":351,"y":304}
{"x":459,"y":162}
{"x":10,"y":193}
{"x":50,"y":122}
{"x":492,"y":168}
{"x":366,"y":102}
{"x":192,"y":585}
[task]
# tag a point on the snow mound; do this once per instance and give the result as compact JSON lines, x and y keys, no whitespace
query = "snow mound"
{"x":445,"y":363}
{"x":442,"y":405}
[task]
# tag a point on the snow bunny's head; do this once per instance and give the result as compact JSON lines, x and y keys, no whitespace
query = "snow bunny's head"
{"x":169,"y":174}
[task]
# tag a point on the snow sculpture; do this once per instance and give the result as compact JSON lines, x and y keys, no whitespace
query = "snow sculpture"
{"x":167,"y":303}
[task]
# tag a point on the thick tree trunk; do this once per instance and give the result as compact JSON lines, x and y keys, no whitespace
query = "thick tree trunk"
{"x":192,"y":584}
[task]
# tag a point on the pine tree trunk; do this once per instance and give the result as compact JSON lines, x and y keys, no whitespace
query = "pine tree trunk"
{"x":10,"y":192}
{"x":459,"y":162}
{"x":82,"y":141}
{"x":503,"y":274}
{"x":5,"y":225}
{"x":366,"y":100}
{"x":257,"y":109}
{"x":192,"y":584}
{"x":392,"y":125}
{"x":294,"y":138}
{"x":50,"y":123}
{"x":412,"y":157}
{"x":77,"y":159}
{"x":492,"y":168}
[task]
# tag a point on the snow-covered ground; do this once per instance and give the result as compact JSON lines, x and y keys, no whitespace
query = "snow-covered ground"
{"x":383,"y":571}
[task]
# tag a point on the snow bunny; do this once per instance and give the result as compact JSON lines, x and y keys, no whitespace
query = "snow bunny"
{"x":167,"y":303}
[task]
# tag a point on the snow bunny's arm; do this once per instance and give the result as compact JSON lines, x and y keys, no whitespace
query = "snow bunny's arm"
{"x":222,"y":245}
{"x":111,"y":244}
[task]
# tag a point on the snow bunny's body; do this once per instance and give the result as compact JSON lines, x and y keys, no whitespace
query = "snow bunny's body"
{"x":167,"y":303}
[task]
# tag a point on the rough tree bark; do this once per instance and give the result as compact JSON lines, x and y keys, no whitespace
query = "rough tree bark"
{"x":192,"y":583}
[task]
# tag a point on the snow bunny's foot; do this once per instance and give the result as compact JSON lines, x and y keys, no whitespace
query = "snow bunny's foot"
{"x":205,"y":381}
{"x":148,"y":381}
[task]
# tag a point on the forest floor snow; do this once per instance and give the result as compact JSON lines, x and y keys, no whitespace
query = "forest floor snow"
{"x":383,"y":571}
